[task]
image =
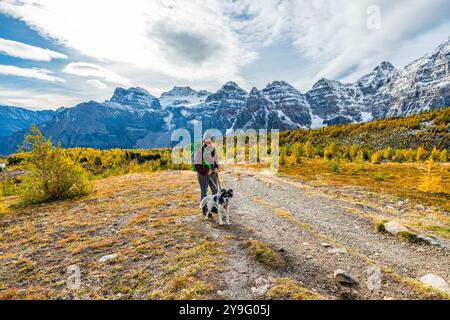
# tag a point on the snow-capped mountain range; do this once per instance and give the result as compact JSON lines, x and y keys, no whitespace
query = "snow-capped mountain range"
{"x":133,"y":118}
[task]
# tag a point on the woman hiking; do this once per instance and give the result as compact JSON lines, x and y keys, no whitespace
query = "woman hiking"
{"x":206,"y":165}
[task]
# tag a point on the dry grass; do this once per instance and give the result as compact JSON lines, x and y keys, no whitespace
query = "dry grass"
{"x":287,"y":289}
{"x":264,"y":254}
{"x":139,"y":217}
{"x":400,"y":179}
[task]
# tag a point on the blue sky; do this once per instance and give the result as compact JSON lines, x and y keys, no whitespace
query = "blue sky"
{"x":59,"y":53}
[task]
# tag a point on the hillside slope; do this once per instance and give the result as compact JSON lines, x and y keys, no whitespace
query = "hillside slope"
{"x":431,"y":129}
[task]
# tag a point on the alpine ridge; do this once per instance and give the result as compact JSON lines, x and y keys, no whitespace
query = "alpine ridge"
{"x":134,"y":118}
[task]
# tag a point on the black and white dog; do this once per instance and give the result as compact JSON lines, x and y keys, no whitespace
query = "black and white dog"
{"x":220,"y":201}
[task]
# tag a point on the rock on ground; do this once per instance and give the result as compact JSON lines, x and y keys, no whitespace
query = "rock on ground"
{"x":344,"y":277}
{"x":435,"y":282}
{"x":394,"y":227}
{"x":107,"y":258}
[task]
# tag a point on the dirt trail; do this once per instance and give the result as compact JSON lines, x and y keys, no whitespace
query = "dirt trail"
{"x":306,"y":226}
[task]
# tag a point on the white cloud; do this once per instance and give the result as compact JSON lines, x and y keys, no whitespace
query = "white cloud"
{"x":36,"y":99}
{"x":84,"y":69}
{"x":194,"y":40}
{"x":33,"y":73}
{"x":185,"y":39}
{"x":25,"y":51}
{"x":97,"y":83}
{"x":334,"y":35}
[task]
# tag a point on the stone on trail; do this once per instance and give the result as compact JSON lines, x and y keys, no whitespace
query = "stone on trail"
{"x":394,"y":227}
{"x":262,"y":285}
{"x":107,"y":258}
{"x":436,"y":282}
{"x":337,"y":251}
{"x":430,"y":240}
{"x":344,"y":277}
{"x":325,"y":245}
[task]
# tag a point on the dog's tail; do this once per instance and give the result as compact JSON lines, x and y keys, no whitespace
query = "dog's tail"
{"x":203,"y":203}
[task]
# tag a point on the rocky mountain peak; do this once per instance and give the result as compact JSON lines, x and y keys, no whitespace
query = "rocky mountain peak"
{"x":254,"y":92}
{"x":280,"y":89}
{"x":137,"y":97}
{"x":327,"y":84}
{"x":385,"y":65}
{"x":373,"y":81}
{"x":282,"y":84}
{"x":230,"y":85}
{"x":179,"y":92}
{"x":229,"y":91}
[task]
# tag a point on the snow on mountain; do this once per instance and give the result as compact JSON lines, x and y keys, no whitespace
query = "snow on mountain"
{"x":370,"y":83}
{"x":135,"y":97}
{"x":183,"y":97}
{"x":230,"y":94}
{"x":133,"y":118}
{"x":335,"y":102}
{"x":291,"y":104}
{"x":422,"y":85}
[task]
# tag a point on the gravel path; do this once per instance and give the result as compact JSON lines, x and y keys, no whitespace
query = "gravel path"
{"x":309,"y":227}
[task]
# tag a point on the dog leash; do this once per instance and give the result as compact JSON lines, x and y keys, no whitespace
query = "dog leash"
{"x":219,"y":188}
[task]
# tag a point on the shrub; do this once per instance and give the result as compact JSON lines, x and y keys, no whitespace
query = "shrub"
{"x":8,"y":185}
{"x":14,"y":160}
{"x":379,"y":227}
{"x":309,"y":150}
{"x":335,"y":167}
{"x":444,"y":156}
{"x":430,"y":183}
{"x":379,"y":176}
{"x":377,"y":157}
{"x":421,"y":154}
{"x":408,"y":237}
{"x":51,"y":175}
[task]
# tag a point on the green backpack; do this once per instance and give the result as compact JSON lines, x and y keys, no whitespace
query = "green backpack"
{"x":194,"y":149}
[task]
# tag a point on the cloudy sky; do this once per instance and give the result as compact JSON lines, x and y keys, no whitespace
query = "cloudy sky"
{"x":55,"y":53}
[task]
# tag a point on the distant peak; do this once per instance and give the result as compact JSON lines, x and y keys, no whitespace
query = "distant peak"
{"x":231,"y":85}
{"x":132,"y":89}
{"x":254,"y":92}
{"x":179,"y":92}
{"x":121,"y":92}
{"x":385,"y":65}
{"x":229,"y":91}
{"x":134,"y":96}
{"x":279,"y":83}
{"x":444,"y":47}
{"x":321,"y":82}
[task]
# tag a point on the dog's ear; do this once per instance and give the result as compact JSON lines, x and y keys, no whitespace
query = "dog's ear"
{"x":230,"y":192}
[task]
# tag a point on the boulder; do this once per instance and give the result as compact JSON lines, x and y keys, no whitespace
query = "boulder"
{"x":394,"y":227}
{"x":435,"y":282}
{"x":344,"y":277}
